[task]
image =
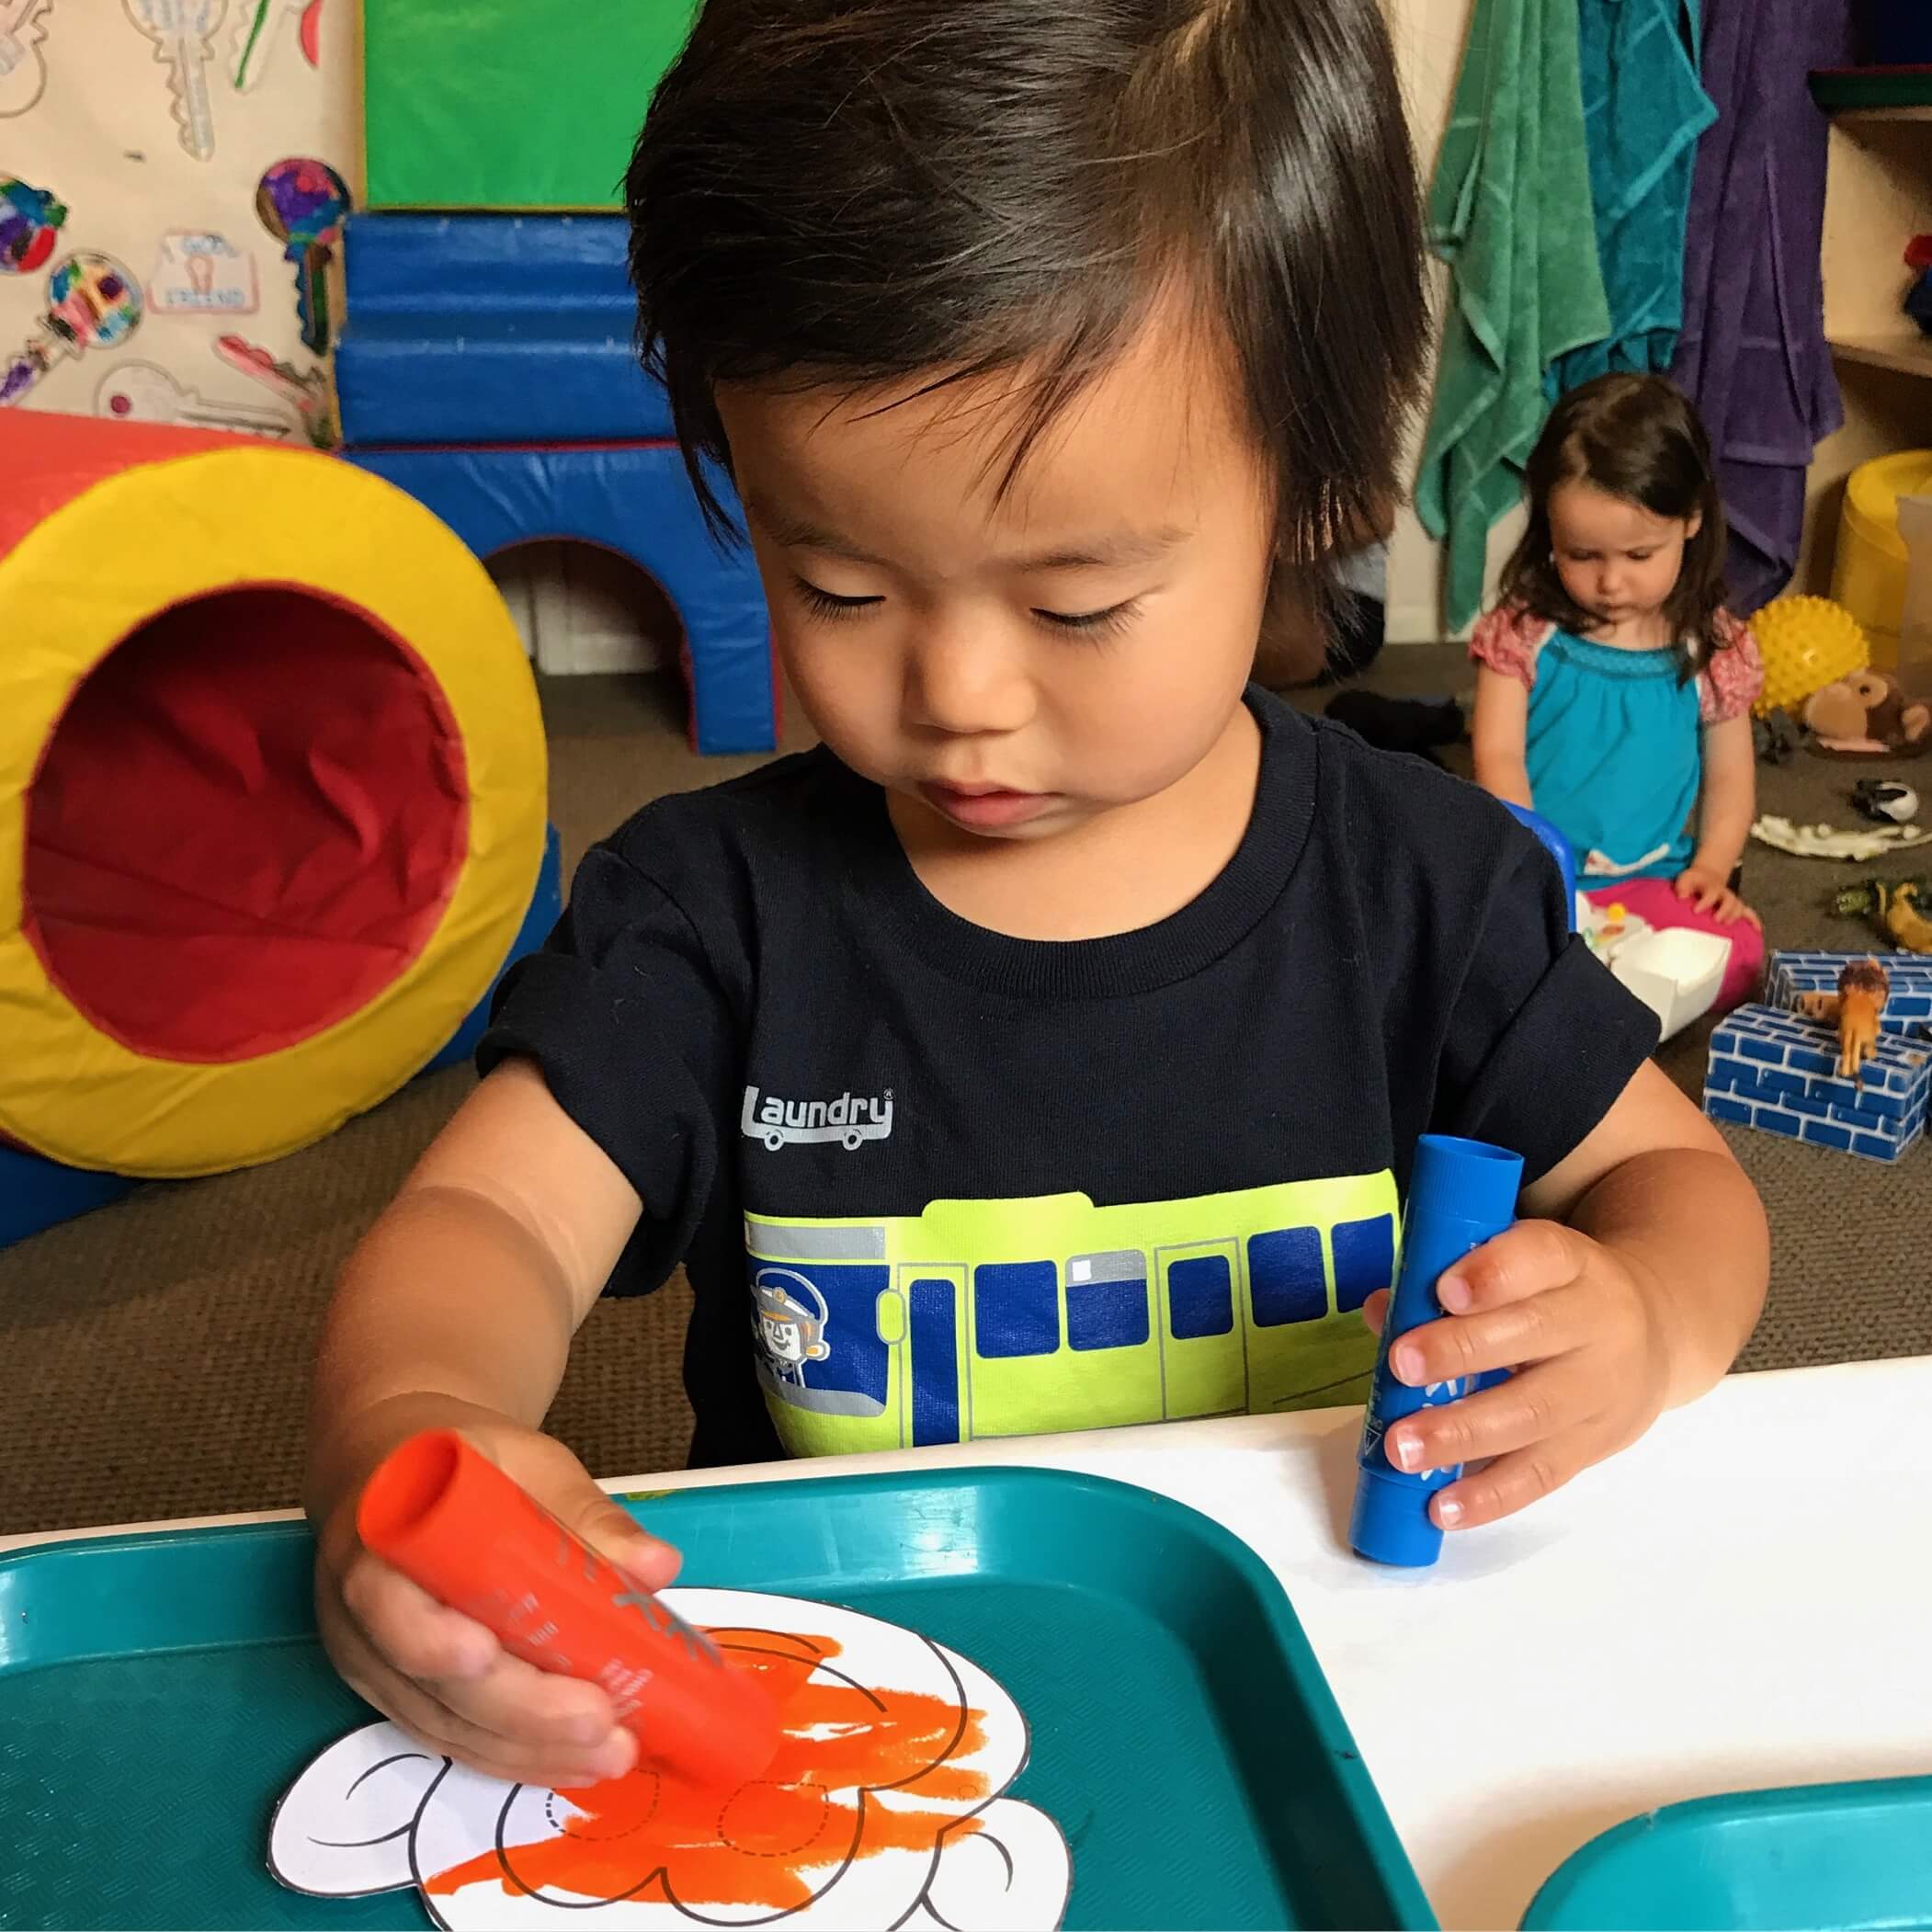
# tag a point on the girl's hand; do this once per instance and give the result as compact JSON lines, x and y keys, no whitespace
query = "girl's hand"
{"x":1708,"y":891}
{"x":444,"y":1677}
{"x":1581,"y":1331}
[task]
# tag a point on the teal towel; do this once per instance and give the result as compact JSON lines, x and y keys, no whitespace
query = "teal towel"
{"x":1644,"y":110}
{"x":1509,"y":212}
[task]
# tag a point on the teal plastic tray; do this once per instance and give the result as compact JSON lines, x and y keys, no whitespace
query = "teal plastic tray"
{"x":158,"y":1693}
{"x":1825,"y":1857}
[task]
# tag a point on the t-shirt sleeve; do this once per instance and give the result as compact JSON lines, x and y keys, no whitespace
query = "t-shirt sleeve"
{"x":1508,"y":640}
{"x":1735,"y":678}
{"x":630,"y":1022}
{"x":1542,"y":1038}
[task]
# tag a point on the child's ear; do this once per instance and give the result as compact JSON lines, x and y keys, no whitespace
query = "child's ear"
{"x":1693,"y":524}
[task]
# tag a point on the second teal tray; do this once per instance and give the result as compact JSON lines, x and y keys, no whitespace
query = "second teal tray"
{"x":1825,"y":1857}
{"x":159,"y":1693}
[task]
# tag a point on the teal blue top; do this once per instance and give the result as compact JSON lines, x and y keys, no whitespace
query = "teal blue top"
{"x":1614,"y":749}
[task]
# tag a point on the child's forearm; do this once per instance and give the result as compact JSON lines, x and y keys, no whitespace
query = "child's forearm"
{"x":1691,"y":1229}
{"x":1729,"y":802}
{"x":449,"y":1312}
{"x":1504,"y":778}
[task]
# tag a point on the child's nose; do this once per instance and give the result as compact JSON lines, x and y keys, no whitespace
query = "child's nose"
{"x":963,"y":681}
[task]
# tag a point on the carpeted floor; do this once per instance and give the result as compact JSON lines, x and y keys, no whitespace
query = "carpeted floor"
{"x":156,"y":1352}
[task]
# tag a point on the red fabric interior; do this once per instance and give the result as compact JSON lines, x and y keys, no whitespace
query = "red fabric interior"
{"x":244,"y":825}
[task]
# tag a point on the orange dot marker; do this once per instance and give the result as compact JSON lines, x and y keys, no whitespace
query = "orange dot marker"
{"x":453,"y":1523}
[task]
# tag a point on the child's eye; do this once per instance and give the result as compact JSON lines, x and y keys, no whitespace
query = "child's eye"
{"x":825,"y":604}
{"x":1641,"y":556}
{"x":1091,"y":623}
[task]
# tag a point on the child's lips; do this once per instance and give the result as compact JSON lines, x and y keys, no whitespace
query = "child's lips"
{"x":983,"y":807}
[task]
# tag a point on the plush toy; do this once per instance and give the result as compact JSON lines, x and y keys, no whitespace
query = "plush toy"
{"x":1865,"y":715}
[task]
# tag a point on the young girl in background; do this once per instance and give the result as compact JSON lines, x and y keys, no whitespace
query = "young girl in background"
{"x":1615,"y":690}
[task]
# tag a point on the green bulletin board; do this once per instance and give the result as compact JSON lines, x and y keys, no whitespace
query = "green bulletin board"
{"x":514,"y":105}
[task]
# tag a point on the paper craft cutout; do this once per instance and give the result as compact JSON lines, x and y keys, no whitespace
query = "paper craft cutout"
{"x":23,"y":67}
{"x":1829,"y":842}
{"x":144,"y":393}
{"x":883,"y":1808}
{"x":181,"y":31}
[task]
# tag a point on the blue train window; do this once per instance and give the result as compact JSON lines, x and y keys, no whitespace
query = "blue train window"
{"x":1016,"y":1309}
{"x":1106,"y":1314}
{"x":1363,"y":1258}
{"x":1200,"y":1297}
{"x":1284,"y":1275}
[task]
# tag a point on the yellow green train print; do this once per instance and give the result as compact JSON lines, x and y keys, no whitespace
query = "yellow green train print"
{"x":982,"y":1318}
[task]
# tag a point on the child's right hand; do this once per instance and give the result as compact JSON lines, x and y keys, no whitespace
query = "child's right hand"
{"x":444,"y":1677}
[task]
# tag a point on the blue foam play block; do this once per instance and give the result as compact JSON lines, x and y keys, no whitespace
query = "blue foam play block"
{"x":635,"y":499}
{"x":1771,"y":1070}
{"x":492,"y":329}
{"x":36,"y":1193}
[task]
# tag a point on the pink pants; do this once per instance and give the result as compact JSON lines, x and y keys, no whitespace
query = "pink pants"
{"x":1655,"y":901}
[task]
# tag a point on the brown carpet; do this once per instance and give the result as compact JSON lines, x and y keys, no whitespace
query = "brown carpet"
{"x":156,"y":1352}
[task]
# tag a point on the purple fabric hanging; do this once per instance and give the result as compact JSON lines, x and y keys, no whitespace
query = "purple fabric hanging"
{"x":1752,"y":355}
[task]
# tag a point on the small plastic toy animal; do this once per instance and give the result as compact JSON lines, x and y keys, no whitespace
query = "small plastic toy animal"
{"x":1896,"y":906}
{"x":1864,"y":986}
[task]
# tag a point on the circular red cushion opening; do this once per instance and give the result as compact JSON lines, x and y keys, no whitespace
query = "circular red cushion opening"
{"x":245,"y":825}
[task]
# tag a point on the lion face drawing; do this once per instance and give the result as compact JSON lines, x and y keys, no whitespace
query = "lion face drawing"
{"x":883,"y":1808}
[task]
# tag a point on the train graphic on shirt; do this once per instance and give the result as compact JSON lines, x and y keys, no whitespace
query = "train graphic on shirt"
{"x":982,"y":1318}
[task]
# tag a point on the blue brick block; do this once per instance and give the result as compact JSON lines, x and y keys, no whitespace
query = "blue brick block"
{"x":1773,"y":1069}
{"x":1793,"y":973}
{"x":1719,"y":1107}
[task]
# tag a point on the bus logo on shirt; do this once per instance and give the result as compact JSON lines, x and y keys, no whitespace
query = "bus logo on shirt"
{"x":852,"y":1119}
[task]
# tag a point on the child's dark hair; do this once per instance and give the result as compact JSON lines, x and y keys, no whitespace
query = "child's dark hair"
{"x":1637,"y":438}
{"x":856,"y":192}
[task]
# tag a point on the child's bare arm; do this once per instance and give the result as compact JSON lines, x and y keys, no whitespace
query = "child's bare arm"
{"x":1633,"y":1295}
{"x":1725,"y":809}
{"x":458,"y":1310}
{"x":1497,"y":735}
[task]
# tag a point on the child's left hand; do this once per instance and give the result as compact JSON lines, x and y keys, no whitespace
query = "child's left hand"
{"x":1581,"y":1332}
{"x":1709,"y":892}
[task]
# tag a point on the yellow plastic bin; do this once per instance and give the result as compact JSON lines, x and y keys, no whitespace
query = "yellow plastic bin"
{"x":1869,"y":571}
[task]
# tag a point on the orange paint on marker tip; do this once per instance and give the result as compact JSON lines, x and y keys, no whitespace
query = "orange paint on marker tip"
{"x":452,"y":1522}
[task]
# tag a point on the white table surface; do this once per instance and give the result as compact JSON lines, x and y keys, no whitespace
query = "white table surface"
{"x":1744,"y":1599}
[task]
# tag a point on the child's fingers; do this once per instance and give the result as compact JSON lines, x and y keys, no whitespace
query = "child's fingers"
{"x":1375,"y":1309}
{"x":1513,"y":1482}
{"x":517,"y":1753}
{"x":417,"y":1634}
{"x":1530,"y":1407}
{"x":1521,"y":1261}
{"x":1547,"y":1325}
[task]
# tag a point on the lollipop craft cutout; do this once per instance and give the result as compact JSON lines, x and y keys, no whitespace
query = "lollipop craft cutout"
{"x":884,"y":1807}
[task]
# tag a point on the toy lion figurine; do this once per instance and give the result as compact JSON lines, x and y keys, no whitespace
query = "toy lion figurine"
{"x":1864,"y":986}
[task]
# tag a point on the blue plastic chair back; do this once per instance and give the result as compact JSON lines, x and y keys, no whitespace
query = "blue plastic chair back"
{"x":1558,"y":846}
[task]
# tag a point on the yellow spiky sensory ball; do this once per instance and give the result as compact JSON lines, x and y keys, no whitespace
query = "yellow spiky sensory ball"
{"x":1807,"y":644}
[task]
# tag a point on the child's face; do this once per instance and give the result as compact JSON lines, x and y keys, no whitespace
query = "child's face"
{"x":1018,"y":666}
{"x":1616,"y":559}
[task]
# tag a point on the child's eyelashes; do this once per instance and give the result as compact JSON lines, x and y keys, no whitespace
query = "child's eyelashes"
{"x":825,"y":604}
{"x":1091,"y":623}
{"x":1100,"y":623}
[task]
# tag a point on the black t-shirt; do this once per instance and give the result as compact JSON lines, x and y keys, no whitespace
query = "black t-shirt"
{"x":932,"y":1183}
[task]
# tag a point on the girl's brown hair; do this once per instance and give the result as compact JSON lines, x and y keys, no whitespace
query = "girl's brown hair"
{"x":854,"y":193}
{"x":1640,"y":438}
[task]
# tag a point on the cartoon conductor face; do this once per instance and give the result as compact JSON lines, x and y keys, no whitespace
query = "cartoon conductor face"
{"x":789,"y":1316}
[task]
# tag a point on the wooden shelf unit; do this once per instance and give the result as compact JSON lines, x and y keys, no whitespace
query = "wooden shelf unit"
{"x":1878,"y":196}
